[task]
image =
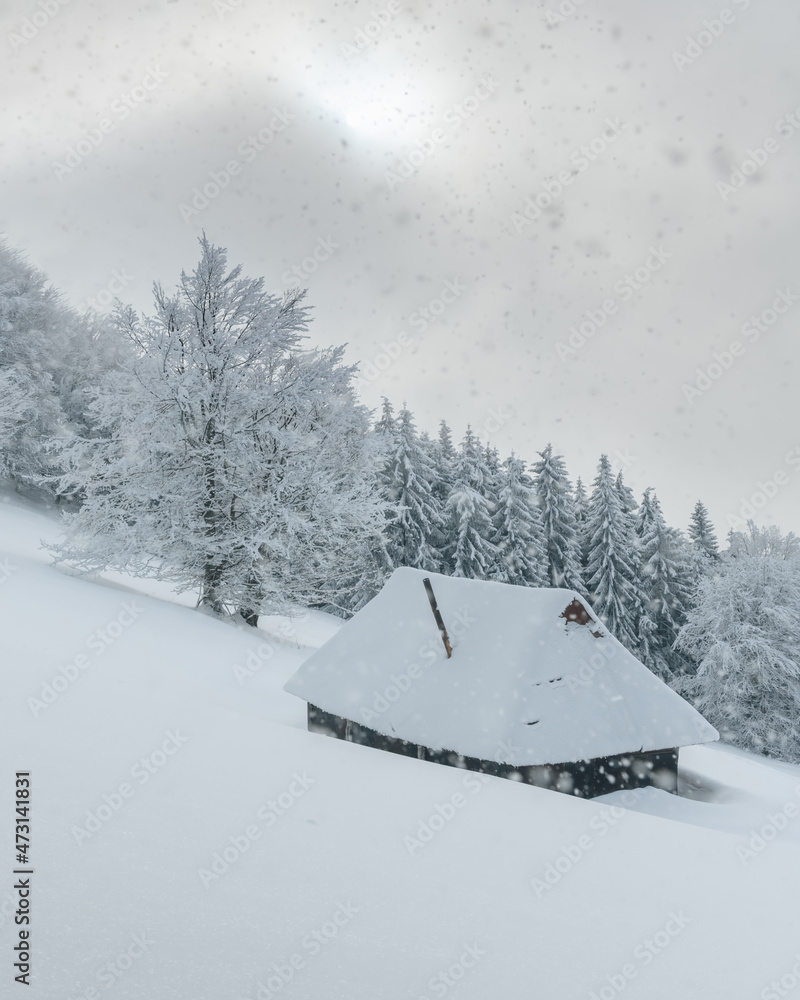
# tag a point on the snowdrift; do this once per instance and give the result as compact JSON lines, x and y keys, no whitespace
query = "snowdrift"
{"x":245,"y":858}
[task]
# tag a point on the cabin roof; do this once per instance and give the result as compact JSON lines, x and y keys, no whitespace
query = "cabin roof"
{"x":534,"y":678}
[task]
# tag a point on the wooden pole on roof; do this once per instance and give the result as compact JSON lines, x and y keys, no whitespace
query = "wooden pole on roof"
{"x":438,"y":616}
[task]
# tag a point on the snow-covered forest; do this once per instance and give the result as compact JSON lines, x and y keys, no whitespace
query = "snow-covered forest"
{"x":210,"y":445}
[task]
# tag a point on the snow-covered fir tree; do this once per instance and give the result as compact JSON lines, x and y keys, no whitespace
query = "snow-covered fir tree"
{"x":233,"y":458}
{"x":581,"y":501}
{"x":665,"y":587}
{"x":581,"y":505}
{"x":413,"y":517}
{"x":444,"y":468}
{"x":428,"y":445}
{"x":560,"y":540}
{"x":493,"y":476}
{"x":742,"y":634}
{"x":517,"y":529}
{"x":470,"y":551}
{"x":369,"y":565}
{"x":611,"y":566}
{"x":627,"y":498}
{"x":386,"y":425}
{"x":702,"y":534}
{"x":493,"y":465}
{"x":445,"y":463}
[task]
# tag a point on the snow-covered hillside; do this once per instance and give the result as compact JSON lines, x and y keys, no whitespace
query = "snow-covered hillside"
{"x":190,"y":840}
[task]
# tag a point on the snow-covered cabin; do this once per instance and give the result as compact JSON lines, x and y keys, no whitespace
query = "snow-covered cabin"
{"x":536,"y":688}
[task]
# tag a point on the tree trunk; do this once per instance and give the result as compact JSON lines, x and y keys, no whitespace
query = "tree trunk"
{"x":212,"y":570}
{"x":209,"y":595}
{"x":256,"y":596}
{"x":251,"y":617}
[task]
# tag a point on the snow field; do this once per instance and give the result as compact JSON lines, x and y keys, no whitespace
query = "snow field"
{"x":184,"y":767}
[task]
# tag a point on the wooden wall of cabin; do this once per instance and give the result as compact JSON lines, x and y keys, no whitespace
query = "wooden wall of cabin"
{"x":586,"y":778}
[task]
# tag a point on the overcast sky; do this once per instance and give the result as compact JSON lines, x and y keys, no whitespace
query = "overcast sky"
{"x":498,"y":99}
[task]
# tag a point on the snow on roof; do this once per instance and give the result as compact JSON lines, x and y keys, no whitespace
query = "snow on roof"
{"x":524,"y":685}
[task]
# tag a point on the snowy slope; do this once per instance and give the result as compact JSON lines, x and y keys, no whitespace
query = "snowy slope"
{"x":350,"y":874}
{"x":523,"y":685}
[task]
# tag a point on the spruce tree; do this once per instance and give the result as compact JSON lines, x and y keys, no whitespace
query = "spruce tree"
{"x":559,"y":524}
{"x":413,"y":516}
{"x":471,"y":552}
{"x":581,"y":507}
{"x":444,"y":460}
{"x":664,"y":585}
{"x":428,"y":446}
{"x":443,"y":455}
{"x":386,"y":426}
{"x":611,"y":559}
{"x":701,"y":532}
{"x":493,"y":475}
{"x":581,"y":502}
{"x":626,"y":497}
{"x":517,"y":529}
